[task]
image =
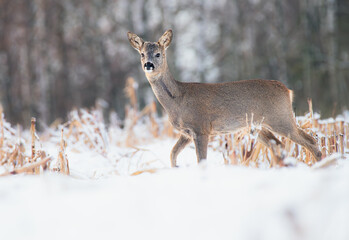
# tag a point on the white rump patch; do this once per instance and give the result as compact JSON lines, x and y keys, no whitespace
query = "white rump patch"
{"x":291,"y":95}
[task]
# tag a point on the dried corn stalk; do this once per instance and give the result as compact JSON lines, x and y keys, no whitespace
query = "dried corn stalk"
{"x":62,"y":157}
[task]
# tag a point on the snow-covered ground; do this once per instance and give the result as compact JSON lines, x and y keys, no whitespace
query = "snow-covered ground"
{"x":100,"y":200}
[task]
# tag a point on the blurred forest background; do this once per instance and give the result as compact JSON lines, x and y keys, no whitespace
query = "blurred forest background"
{"x":59,"y":54}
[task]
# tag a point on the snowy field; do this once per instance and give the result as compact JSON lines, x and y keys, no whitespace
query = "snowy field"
{"x":131,"y":193}
{"x":209,"y":201}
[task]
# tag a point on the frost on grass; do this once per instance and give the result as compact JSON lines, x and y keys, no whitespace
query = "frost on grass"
{"x":120,"y":184}
{"x":86,"y":146}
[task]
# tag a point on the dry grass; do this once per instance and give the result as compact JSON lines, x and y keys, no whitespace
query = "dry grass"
{"x":13,"y":153}
{"x":87,"y":128}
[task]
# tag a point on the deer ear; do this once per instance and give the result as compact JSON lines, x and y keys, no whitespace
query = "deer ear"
{"x":166,"y":39}
{"x":135,"y":41}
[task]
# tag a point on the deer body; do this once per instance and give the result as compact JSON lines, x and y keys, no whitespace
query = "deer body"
{"x":199,"y":110}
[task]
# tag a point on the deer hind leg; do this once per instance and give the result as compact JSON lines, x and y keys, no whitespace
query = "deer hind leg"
{"x":309,"y":143}
{"x":178,"y":147}
{"x":201,"y":142}
{"x":265,"y":137}
{"x":300,"y":137}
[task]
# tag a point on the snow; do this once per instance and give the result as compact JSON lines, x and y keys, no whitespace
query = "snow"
{"x":100,"y":200}
{"x":120,"y":191}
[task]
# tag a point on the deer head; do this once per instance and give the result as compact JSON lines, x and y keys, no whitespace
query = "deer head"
{"x":153,"y":54}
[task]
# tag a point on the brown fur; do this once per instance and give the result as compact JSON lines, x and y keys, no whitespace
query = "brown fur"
{"x":199,"y":110}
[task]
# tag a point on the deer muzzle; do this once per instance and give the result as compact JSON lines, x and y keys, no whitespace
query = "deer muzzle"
{"x":149,"y":67}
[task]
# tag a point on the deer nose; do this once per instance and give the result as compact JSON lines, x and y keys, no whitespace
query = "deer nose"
{"x":148,"y":66}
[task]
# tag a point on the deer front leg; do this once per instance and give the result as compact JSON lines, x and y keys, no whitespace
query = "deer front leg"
{"x":201,"y":142}
{"x":178,"y":147}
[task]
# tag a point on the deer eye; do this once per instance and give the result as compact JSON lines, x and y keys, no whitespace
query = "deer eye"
{"x":157,"y":55}
{"x":142,"y":55}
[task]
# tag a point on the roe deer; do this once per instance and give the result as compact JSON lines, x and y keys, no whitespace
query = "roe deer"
{"x":199,"y":110}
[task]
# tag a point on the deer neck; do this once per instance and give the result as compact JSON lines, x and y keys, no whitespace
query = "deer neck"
{"x":165,"y":87}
